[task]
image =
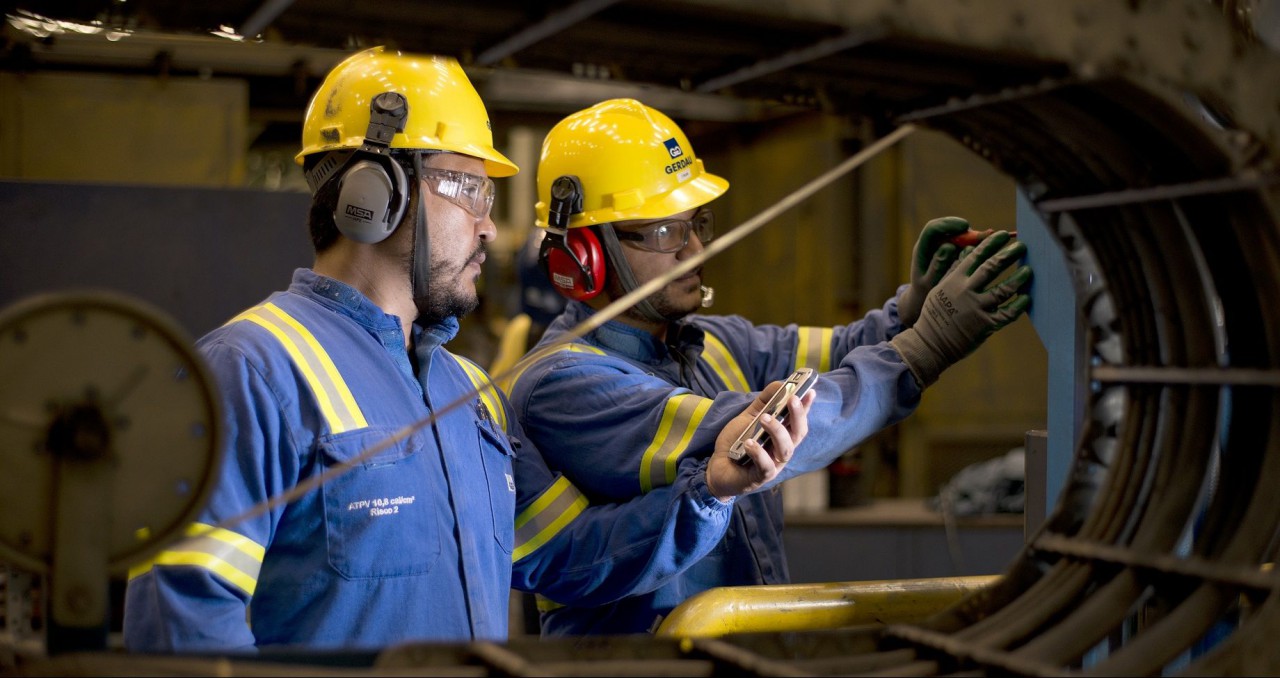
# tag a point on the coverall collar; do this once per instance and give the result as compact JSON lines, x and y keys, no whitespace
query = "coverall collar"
{"x":632,"y":342}
{"x":350,"y":302}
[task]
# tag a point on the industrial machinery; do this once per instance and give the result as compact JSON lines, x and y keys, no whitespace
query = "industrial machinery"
{"x":109,"y":440}
{"x":1144,"y":137}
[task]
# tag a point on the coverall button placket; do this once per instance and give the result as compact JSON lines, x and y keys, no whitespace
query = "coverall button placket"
{"x":463,"y":473}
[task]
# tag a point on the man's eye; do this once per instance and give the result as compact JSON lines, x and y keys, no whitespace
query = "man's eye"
{"x":662,"y":232}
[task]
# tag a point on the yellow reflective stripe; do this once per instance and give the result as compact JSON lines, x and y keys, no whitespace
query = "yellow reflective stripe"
{"x":680,"y":418}
{"x":233,"y":557}
{"x":546,"y":604}
{"x":547,"y":516}
{"x":485,"y":388}
{"x":721,"y":360}
{"x":509,"y":382}
{"x":336,"y":402}
{"x":813,"y":348}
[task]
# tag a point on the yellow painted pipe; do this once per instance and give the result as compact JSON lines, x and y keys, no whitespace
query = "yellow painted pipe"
{"x":811,"y":607}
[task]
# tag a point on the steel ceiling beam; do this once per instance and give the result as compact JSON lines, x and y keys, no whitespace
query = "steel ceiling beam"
{"x":818,"y":50}
{"x":262,"y":17}
{"x":553,"y":23}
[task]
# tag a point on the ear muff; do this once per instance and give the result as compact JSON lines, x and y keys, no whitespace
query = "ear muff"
{"x":372,"y":189}
{"x":572,"y":257}
{"x":574,"y":263}
{"x":371,"y":201}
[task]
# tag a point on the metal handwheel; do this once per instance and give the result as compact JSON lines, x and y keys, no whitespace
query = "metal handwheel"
{"x":109,"y":441}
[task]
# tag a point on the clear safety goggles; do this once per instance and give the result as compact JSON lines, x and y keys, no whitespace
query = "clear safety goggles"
{"x":471,"y":192}
{"x":671,"y":235}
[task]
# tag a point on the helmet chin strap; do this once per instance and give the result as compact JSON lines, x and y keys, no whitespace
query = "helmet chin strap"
{"x":619,"y":266}
{"x":420,"y":262}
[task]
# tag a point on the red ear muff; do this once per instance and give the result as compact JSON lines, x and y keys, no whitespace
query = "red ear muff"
{"x":574,"y":263}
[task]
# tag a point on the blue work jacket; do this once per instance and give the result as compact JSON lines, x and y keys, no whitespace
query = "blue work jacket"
{"x":643,"y":406}
{"x":417,"y":532}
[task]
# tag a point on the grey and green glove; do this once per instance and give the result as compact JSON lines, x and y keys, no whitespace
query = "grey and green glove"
{"x":932,"y":257}
{"x":960,"y":312}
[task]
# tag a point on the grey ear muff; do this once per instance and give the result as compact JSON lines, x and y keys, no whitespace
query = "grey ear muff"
{"x":371,"y":202}
{"x":372,"y":190}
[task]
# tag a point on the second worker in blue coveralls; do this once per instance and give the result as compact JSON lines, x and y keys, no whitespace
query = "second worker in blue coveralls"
{"x":657,"y":384}
{"x":427,"y":528}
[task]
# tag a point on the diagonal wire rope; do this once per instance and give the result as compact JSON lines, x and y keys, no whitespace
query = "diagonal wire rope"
{"x":590,"y":324}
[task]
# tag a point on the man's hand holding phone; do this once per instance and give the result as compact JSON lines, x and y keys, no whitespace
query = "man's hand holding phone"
{"x":754,"y":447}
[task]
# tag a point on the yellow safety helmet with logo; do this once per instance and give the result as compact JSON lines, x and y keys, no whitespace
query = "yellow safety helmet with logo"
{"x":615,"y":161}
{"x":445,"y":112}
{"x":633,"y":162}
{"x":375,"y":103}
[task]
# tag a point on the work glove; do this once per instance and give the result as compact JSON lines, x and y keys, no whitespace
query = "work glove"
{"x":930,"y":260}
{"x":960,"y":312}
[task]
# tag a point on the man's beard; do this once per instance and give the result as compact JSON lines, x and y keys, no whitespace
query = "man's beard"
{"x":445,"y":295}
{"x":661,"y":301}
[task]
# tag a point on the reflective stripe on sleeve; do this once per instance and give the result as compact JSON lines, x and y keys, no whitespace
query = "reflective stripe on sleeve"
{"x":547,"y":516}
{"x":336,"y":402}
{"x":509,"y":383}
{"x":680,"y":418}
{"x":233,"y":557}
{"x":485,"y":389}
{"x":813,"y":348}
{"x":721,"y":360}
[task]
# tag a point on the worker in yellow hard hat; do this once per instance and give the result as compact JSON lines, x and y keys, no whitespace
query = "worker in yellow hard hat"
{"x":377,"y":488}
{"x":624,"y":198}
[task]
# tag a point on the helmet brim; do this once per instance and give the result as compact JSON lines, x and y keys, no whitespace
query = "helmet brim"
{"x":690,"y":195}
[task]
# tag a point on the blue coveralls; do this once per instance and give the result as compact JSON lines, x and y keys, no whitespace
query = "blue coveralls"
{"x":416,"y":542}
{"x":641,"y":407}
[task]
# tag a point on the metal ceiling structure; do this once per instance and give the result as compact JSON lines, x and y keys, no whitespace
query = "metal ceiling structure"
{"x":1146,"y":134}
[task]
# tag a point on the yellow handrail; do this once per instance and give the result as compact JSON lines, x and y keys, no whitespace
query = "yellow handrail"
{"x":809,"y":607}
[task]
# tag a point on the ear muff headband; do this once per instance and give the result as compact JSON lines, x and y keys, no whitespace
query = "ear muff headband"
{"x":373,"y":190}
{"x":571,"y":257}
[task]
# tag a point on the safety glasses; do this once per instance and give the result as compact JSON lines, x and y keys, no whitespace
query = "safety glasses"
{"x":471,"y":192}
{"x":671,"y":235}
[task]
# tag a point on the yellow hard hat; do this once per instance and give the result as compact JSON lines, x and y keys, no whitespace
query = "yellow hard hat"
{"x":633,"y":163}
{"x":445,"y":111}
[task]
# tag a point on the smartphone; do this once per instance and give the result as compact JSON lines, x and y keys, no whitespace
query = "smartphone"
{"x":797,"y":384}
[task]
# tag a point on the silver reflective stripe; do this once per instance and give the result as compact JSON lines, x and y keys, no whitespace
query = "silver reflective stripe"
{"x":336,"y":402}
{"x":233,"y":557}
{"x":680,"y":418}
{"x":485,"y":389}
{"x":547,"y":516}
{"x":509,"y":383}
{"x":721,"y":360}
{"x":813,"y":348}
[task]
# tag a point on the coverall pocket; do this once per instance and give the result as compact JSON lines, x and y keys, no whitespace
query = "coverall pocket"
{"x":495,"y":450}
{"x":380,"y":520}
